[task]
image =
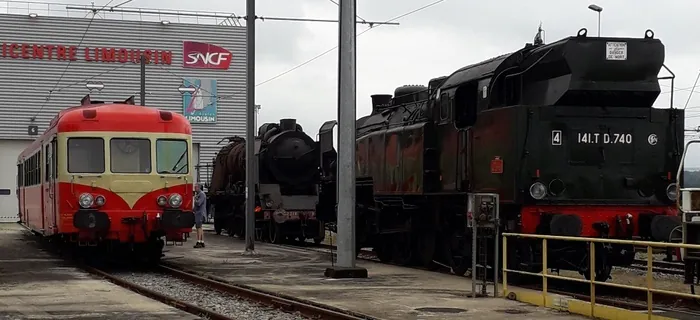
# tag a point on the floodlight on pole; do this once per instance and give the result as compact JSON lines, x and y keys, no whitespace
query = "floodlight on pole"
{"x":599,"y":10}
{"x":94,"y":85}
{"x":186,"y":89}
{"x":257,"y":112}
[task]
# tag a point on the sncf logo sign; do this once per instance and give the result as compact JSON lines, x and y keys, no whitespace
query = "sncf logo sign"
{"x":201,"y":55}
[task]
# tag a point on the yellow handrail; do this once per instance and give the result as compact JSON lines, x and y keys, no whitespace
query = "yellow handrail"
{"x":592,"y":241}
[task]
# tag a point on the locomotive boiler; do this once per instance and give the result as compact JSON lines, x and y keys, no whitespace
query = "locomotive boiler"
{"x":287,"y":188}
{"x":564,"y":132}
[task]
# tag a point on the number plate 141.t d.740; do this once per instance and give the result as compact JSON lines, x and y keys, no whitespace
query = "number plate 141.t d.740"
{"x":603,"y":138}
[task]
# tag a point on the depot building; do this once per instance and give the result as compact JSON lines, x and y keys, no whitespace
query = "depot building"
{"x":49,"y":63}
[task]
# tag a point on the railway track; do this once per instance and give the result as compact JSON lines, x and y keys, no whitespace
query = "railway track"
{"x":124,"y":273}
{"x":665,"y":267}
{"x":285,"y":304}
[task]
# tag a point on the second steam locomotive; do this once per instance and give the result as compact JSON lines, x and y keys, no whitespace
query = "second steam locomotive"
{"x":287,"y":190}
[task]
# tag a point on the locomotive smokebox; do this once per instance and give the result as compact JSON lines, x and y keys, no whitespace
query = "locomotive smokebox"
{"x":380,"y":102}
{"x":288,"y":124}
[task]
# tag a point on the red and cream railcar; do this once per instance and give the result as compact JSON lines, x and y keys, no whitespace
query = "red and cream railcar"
{"x":110,"y":174}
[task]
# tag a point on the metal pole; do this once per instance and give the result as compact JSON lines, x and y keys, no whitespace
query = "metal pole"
{"x":143,"y":80}
{"x":250,"y":130}
{"x":598,"y":24}
{"x":346,"y":135}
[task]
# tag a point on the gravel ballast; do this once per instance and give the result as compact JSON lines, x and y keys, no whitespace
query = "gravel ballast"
{"x":223,"y":303}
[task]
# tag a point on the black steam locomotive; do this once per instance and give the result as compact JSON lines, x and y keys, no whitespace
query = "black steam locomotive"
{"x":564,"y":132}
{"x":287,"y":189}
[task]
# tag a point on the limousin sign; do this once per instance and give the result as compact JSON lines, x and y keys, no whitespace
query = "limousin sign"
{"x":61,"y":52}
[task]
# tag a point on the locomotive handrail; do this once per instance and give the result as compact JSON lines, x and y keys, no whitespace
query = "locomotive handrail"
{"x":549,"y":302}
{"x":673,"y":79}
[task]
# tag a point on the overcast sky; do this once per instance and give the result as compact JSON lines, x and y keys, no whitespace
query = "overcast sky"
{"x":435,"y":42}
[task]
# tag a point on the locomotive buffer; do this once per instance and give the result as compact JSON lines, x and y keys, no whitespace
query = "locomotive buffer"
{"x":483,"y":222}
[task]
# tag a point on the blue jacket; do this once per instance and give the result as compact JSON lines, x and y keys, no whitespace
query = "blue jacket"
{"x":200,"y":203}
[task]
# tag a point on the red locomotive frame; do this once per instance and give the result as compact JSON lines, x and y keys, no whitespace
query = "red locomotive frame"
{"x":99,"y":207}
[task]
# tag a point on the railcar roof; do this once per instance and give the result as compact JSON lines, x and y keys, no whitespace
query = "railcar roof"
{"x":114,"y":117}
{"x":119,"y":117}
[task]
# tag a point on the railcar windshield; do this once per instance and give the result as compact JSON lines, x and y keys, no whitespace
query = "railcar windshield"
{"x":86,"y":155}
{"x":130,"y":155}
{"x":171,"y":156}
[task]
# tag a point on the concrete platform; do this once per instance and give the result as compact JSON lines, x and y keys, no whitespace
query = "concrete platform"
{"x":34,"y":285}
{"x":389,"y":292}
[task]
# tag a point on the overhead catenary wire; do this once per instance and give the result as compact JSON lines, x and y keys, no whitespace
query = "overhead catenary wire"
{"x":218,"y":16}
{"x":357,"y":15}
{"x":48,"y":97}
{"x":224,"y":97}
{"x":692,"y":90}
{"x":336,"y":47}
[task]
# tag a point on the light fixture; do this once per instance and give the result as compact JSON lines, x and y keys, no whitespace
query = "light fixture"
{"x":595,"y":8}
{"x":186,"y":89}
{"x":164,"y":22}
{"x":33,"y":15}
{"x":92,"y":85}
{"x":599,"y":10}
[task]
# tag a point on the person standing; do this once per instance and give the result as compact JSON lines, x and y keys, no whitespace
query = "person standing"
{"x":200,"y":211}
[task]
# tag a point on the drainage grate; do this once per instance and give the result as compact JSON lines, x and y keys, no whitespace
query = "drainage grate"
{"x":513,"y":311}
{"x":441,"y":310}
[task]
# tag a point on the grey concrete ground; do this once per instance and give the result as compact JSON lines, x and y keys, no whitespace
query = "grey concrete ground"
{"x":390,"y":292}
{"x":35,"y":285}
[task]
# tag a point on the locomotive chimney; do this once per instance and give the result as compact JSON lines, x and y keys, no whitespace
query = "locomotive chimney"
{"x":288,"y":124}
{"x":380,"y":101}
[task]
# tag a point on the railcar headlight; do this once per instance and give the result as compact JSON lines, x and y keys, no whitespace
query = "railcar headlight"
{"x":269,"y":203}
{"x":175,"y":200}
{"x":538,"y":190}
{"x":86,"y":200}
{"x":100,"y":200}
{"x":162,"y":201}
{"x":671,"y":192}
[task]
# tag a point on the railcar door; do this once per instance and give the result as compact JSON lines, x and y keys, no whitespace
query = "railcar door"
{"x":49,"y":189}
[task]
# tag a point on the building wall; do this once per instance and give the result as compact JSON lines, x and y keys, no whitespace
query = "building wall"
{"x":27,"y":82}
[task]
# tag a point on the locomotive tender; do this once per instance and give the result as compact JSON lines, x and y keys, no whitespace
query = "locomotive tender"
{"x":564,"y":132}
{"x":111,"y":176}
{"x":287,"y":190}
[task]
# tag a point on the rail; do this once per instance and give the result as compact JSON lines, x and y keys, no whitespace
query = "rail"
{"x":649,"y":289}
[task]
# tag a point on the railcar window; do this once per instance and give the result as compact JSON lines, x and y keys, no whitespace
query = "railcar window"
{"x":86,"y":155}
{"x":171,"y":156}
{"x":130,"y":155}
{"x":47,"y":163}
